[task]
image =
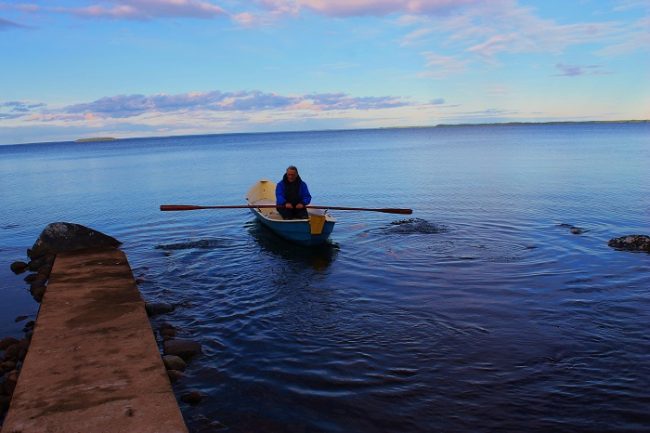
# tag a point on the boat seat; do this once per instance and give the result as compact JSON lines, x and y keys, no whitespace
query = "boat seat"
{"x":268,"y":212}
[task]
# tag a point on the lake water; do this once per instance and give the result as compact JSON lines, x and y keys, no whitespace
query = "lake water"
{"x":484,"y":313}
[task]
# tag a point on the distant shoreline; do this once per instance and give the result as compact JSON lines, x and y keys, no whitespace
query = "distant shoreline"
{"x":440,"y":125}
{"x":557,"y":122}
{"x":93,"y":139}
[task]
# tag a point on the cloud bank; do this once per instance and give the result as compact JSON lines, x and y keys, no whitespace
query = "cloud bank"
{"x":125,"y":106}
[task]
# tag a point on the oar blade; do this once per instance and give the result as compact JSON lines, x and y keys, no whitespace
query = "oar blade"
{"x":178,"y":207}
{"x":396,"y":210}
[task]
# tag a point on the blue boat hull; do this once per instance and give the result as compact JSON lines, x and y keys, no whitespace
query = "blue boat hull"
{"x":297,"y":231}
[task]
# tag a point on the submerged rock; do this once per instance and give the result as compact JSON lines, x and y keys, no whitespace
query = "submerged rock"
{"x":186,"y":349}
{"x":174,"y":375}
{"x":193,"y":397}
{"x":61,"y":236}
{"x":631,"y":243}
{"x":573,"y":229}
{"x":415,"y":226}
{"x":167,"y":331}
{"x":155,"y":308}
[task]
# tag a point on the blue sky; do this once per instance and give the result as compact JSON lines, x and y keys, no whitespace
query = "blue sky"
{"x":74,"y":68}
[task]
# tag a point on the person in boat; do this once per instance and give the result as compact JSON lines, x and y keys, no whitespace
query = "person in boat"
{"x":292,"y":195}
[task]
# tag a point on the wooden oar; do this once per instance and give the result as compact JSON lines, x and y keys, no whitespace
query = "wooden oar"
{"x":177,"y":207}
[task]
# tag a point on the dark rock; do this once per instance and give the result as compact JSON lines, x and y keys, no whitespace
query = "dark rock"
{"x":23,"y":346}
{"x":573,"y":229}
{"x":37,"y":291}
{"x":173,"y":362}
{"x":186,"y":349}
{"x":167,"y":331}
{"x":8,"y":365}
{"x":31,"y":278}
{"x":6,"y":342}
{"x":174,"y":375}
{"x":9,"y":384}
{"x":4,"y":404}
{"x":61,"y":236}
{"x":168,"y":334}
{"x":35,"y":264}
{"x":631,"y":243}
{"x":18,"y":267}
{"x":415,"y":226}
{"x":11,"y":353}
{"x":155,"y":308}
{"x":193,"y":397}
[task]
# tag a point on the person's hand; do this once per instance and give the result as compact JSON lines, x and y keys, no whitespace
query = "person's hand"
{"x":288,"y":205}
{"x":300,"y":206}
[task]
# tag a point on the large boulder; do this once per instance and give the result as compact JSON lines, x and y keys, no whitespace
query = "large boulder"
{"x":61,"y":236}
{"x":631,"y":243}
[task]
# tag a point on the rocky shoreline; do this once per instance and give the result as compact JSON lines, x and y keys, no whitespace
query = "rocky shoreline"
{"x":62,"y":237}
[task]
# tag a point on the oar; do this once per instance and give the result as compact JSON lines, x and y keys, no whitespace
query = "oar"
{"x":177,"y":207}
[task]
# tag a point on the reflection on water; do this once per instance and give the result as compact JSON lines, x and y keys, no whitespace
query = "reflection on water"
{"x":319,"y":257}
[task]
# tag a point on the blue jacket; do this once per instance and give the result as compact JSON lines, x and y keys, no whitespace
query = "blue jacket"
{"x":303,"y":192}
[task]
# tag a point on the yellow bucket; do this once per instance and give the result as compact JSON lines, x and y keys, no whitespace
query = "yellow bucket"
{"x":316,"y":222}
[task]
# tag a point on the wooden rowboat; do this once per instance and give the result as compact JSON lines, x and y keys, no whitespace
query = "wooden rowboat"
{"x":311,"y":231}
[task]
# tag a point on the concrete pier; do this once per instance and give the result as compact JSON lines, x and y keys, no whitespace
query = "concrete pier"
{"x":93,"y":364}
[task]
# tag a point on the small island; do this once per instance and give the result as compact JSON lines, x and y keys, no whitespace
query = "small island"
{"x":93,"y":139}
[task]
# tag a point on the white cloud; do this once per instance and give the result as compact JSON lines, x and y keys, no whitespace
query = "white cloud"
{"x":439,"y":66}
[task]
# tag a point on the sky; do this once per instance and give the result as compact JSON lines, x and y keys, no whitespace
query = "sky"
{"x":73,"y":69}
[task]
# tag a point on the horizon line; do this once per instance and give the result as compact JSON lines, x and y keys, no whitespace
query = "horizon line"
{"x":86,"y":140}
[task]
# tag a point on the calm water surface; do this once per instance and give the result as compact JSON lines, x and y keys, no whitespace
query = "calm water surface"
{"x":483,"y":313}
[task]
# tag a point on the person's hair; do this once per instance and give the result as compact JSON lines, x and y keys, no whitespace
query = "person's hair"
{"x":293,"y":167}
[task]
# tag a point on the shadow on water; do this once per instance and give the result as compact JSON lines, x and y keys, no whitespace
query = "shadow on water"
{"x":203,"y":244}
{"x":318,"y":257}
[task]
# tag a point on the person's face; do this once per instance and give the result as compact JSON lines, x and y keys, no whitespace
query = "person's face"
{"x":291,"y":175}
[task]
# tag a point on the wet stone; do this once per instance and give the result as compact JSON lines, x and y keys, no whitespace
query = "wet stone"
{"x":7,"y":365}
{"x":167,"y":331}
{"x":186,"y":349}
{"x":631,"y":243}
{"x":6,"y":342}
{"x":174,"y":375}
{"x":62,"y":236}
{"x":173,"y":362}
{"x":193,"y":397}
{"x":156,"y":308}
{"x":29,"y":326}
{"x":12,"y":352}
{"x":37,"y":291}
{"x":18,"y":267}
